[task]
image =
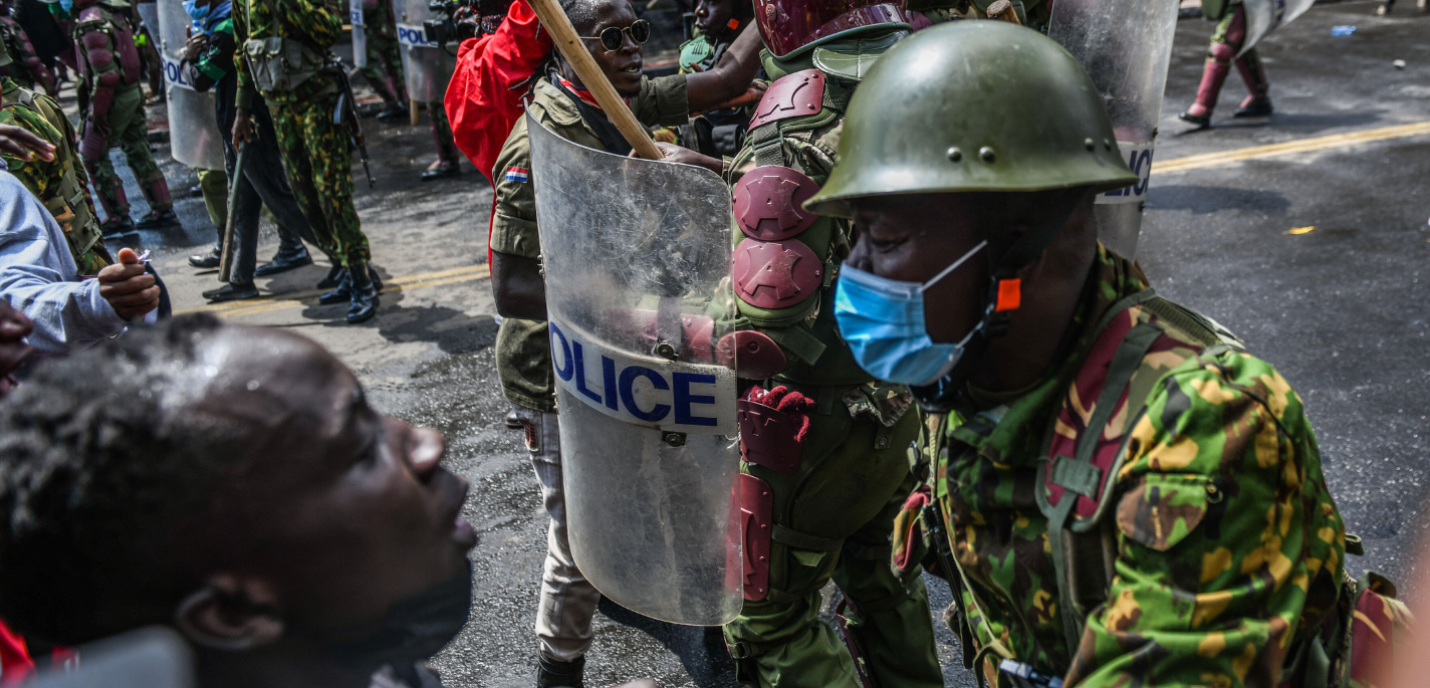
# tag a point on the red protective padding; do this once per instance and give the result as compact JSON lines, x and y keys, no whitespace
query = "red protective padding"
{"x":752,"y":353}
{"x":483,"y":98}
{"x":697,"y":331}
{"x":769,"y":203}
{"x":15,"y":662}
{"x":793,"y":95}
{"x":776,"y":274}
{"x":757,"y":508}
{"x":128,"y":52}
{"x":1372,"y":635}
{"x":773,"y":427}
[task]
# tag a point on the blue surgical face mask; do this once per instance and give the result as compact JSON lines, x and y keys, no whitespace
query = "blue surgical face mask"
{"x":67,"y":5}
{"x":196,"y":13}
{"x":883,"y":321}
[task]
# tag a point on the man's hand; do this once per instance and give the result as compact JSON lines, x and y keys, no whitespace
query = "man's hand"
{"x":195,"y":46}
{"x":128,"y":289}
{"x":243,"y":129}
{"x":685,"y":156}
{"x":20,"y":142}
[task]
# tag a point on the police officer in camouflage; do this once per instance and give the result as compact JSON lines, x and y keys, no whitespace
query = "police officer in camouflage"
{"x":113,"y":105}
{"x":283,"y":54}
{"x":822,"y":437}
{"x":26,"y":67}
{"x":720,"y":131}
{"x":1230,"y":35}
{"x":61,"y":183}
{"x":1117,"y":490}
{"x":383,"y":70}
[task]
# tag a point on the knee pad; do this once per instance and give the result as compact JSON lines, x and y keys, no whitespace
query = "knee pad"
{"x":1222,"y":52}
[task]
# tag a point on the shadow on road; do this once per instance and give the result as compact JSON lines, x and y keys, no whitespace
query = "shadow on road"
{"x":701,"y":651}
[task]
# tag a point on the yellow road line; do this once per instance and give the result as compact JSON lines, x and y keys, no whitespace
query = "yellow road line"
{"x":1196,"y":162}
{"x":235,"y":309}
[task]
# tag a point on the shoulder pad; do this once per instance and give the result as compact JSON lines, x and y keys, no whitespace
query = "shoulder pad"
{"x":769,"y":203}
{"x":776,"y":274}
{"x":800,"y":94}
{"x":93,"y":13}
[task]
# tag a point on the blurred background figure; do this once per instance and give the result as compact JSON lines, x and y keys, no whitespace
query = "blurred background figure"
{"x":1226,"y":44}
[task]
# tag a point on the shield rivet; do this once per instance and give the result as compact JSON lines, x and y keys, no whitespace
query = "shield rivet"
{"x":666,"y":351}
{"x":1089,"y":144}
{"x":675,"y":439}
{"x":954,"y":154}
{"x":987,"y":154}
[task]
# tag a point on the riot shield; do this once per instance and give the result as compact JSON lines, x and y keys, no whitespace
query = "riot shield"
{"x":1125,"y":46}
{"x":194,"y":138}
{"x":635,"y":252}
{"x":359,"y":34}
{"x":427,"y":65}
{"x":1265,"y":16}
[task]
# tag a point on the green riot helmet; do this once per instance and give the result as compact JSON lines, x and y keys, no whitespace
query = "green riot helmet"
{"x":973,"y":106}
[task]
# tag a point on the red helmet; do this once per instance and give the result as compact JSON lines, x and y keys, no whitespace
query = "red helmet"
{"x":790,"y":27}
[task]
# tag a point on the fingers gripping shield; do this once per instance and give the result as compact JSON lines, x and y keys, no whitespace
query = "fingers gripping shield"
{"x":635,"y":252}
{"x":1124,"y":46}
{"x":194,"y":136}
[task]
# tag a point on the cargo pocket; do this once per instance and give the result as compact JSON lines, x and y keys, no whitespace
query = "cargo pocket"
{"x":1162,"y":510}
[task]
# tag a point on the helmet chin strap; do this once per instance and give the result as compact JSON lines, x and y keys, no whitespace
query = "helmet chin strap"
{"x":1003,"y":295}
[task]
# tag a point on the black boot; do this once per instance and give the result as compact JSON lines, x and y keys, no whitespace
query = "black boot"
{"x":116,"y":228}
{"x":553,"y":674}
{"x":340,"y":294}
{"x":364,"y":294}
{"x":208,"y":260}
{"x":158,"y":219}
{"x":392,"y":111}
{"x":1260,"y":107}
{"x":232,"y":292}
{"x":334,"y":278}
{"x":284,"y":261}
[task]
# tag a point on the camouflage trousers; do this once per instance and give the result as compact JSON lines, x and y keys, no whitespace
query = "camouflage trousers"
{"x":318,"y":157}
{"x":442,"y":134}
{"x":835,"y":517}
{"x":129,"y":132}
{"x":384,"y":69}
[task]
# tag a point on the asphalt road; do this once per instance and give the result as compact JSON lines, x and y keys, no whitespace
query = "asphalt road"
{"x":1340,"y":309}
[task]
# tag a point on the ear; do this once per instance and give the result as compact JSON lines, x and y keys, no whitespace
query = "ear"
{"x":231,"y":613}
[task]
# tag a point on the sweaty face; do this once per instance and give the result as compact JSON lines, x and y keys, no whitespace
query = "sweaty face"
{"x":713,"y":16}
{"x":621,"y":66}
{"x":341,"y":510}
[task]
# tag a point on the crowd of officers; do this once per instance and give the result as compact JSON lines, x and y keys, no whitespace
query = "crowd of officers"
{"x":297,"y":166}
{"x":1116,"y":490}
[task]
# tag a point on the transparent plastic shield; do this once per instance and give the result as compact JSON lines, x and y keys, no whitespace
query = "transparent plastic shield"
{"x":634,"y":254}
{"x":428,"y":67}
{"x":359,"y":34}
{"x":1265,"y":16}
{"x":1125,"y":46}
{"x":194,"y":138}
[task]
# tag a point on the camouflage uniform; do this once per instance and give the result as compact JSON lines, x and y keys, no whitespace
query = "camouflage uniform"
{"x":384,"y":57}
{"x":115,"y":110}
{"x":717,"y":133}
{"x":833,"y":515}
{"x":1031,"y":13}
{"x":60,"y":184}
{"x":316,"y":152}
{"x":26,"y":68}
{"x":1227,"y":549}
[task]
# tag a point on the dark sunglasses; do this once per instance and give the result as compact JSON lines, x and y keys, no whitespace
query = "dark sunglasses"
{"x":611,"y":36}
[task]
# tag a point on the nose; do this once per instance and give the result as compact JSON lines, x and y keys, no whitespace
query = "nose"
{"x":425,"y":448}
{"x":859,"y":256}
{"x":702,"y":9}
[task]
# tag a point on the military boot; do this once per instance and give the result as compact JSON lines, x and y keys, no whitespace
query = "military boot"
{"x":364,"y":294}
{"x":288,"y":258}
{"x":335,"y":275}
{"x":343,"y":286}
{"x":551,"y":673}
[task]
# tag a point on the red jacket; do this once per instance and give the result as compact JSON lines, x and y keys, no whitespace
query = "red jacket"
{"x":483,"y":99}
